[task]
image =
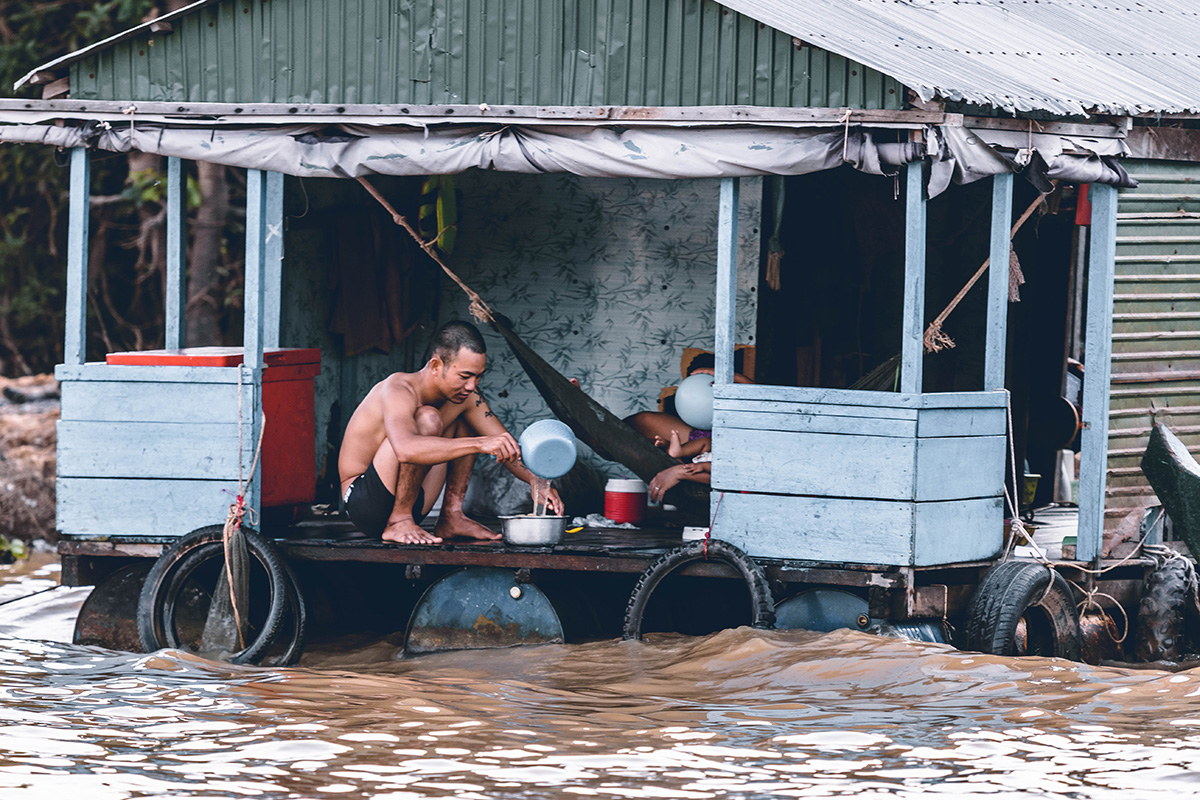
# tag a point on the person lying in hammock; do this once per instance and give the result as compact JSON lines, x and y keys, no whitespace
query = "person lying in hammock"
{"x":414,"y":433}
{"x":670,"y":432}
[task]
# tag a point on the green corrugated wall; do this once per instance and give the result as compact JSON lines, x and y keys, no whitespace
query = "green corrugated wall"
{"x":1156,"y":324}
{"x":502,"y":52}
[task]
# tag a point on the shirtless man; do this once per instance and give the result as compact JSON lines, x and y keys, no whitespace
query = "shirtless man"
{"x":414,"y":432}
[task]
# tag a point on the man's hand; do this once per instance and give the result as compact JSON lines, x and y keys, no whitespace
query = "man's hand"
{"x":502,"y":446}
{"x":553,"y":502}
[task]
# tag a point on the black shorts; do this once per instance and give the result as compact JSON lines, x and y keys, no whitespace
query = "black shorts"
{"x":369,"y":503}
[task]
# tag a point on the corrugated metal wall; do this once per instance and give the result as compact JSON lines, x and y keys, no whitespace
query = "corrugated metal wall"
{"x":503,"y":52}
{"x":1156,"y":323}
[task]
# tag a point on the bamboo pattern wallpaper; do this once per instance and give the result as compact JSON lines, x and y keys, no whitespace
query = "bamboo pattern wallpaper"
{"x":608,"y":279}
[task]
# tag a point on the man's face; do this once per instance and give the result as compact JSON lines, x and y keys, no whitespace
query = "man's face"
{"x":459,"y":377}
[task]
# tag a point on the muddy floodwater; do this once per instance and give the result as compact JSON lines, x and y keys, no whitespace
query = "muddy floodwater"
{"x":740,"y":714}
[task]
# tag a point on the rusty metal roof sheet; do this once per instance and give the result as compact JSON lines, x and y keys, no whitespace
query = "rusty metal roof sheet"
{"x":1061,"y":56}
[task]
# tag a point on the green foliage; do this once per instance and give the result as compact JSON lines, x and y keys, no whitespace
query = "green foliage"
{"x":34,"y":179}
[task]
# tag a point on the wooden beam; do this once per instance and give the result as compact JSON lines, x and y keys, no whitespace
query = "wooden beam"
{"x":1098,"y":370}
{"x":273,"y":261}
{"x":175,"y":334}
{"x":1114,"y":129}
{"x":912,"y":345}
{"x":499,"y":113}
{"x":75,"y":344}
{"x":997,"y":302}
{"x":256,"y":232}
{"x":58,"y":88}
{"x":726,"y":302}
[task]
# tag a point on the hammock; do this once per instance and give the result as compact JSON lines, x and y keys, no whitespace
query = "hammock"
{"x":595,"y":425}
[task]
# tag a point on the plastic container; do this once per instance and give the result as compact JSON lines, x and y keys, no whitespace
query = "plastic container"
{"x":694,"y":401}
{"x":625,"y":500}
{"x":548,"y":449}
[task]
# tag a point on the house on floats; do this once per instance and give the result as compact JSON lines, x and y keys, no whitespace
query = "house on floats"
{"x":812,"y":180}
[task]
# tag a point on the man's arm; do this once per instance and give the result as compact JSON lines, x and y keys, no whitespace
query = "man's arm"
{"x":481,"y":419}
{"x":411,"y":447}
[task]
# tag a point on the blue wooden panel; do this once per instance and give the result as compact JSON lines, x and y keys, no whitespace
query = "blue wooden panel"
{"x":807,"y":394}
{"x":113,"y":506}
{"x":98,"y":371}
{"x":126,"y":401}
{"x":727,"y":246}
{"x":943,"y":422}
{"x":148,"y":450}
{"x":816,"y":528}
{"x":800,"y":421}
{"x":997,"y":303}
{"x":256,"y":210}
{"x":175,"y":294}
{"x":958,"y":531}
{"x":960,"y":467}
{"x":964,"y":400}
{"x":827,"y":409}
{"x":1098,"y":357}
{"x":839,"y":531}
{"x":78,"y":213}
{"x":829,"y":465}
{"x":273,"y":261}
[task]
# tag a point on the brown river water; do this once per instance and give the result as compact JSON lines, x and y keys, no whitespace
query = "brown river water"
{"x":741,"y":713}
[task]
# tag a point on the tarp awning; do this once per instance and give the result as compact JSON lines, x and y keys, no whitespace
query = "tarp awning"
{"x":956,"y":154}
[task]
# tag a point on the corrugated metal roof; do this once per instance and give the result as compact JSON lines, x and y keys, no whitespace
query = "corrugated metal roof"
{"x":1062,"y":56}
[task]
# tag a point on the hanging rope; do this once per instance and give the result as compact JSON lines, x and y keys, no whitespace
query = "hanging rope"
{"x":479,"y":309}
{"x":234,"y":545}
{"x":935,"y":338}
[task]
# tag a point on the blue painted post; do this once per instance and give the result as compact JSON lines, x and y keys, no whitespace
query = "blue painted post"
{"x":1093,"y":460}
{"x":252,"y":332}
{"x":256,"y":231}
{"x":726,"y":303}
{"x":75,"y":339}
{"x":997,"y":303}
{"x":175,"y":334}
{"x":912,"y":345}
{"x":273,"y":261}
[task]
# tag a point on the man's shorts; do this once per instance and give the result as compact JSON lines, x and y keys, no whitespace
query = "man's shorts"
{"x":369,"y":503}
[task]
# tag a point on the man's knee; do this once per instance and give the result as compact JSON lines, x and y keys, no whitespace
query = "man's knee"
{"x":429,"y":421}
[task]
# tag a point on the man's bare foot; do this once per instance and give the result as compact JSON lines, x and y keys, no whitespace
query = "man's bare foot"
{"x":451,"y":524}
{"x":405,"y":531}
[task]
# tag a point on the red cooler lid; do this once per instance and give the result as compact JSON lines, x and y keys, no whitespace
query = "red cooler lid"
{"x":214,"y":357}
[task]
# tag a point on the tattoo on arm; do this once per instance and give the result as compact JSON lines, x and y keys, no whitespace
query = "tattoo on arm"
{"x":478,"y":398}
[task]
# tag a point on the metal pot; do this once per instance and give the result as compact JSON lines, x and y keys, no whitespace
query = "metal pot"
{"x":539,"y":531}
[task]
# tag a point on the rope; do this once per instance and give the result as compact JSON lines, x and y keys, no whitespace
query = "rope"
{"x":479,"y":309}
{"x":1089,"y":599}
{"x":935,"y":339}
{"x":846,"y":133}
{"x":712,"y":522}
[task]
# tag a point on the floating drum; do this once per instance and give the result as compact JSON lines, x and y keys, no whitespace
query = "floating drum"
{"x":481,"y":607}
{"x":548,"y":449}
{"x":823,"y":610}
{"x":694,"y":401}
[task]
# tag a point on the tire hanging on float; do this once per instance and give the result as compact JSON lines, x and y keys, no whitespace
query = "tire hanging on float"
{"x":1168,"y":603}
{"x":1023,"y":608}
{"x":173,"y":597}
{"x":762,"y":603}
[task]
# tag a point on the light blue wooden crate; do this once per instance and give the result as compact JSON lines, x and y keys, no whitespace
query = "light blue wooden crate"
{"x":859,"y":477}
{"x":150,"y":450}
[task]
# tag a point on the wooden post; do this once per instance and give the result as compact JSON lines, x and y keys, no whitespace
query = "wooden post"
{"x":256,"y":231}
{"x":1093,"y":461}
{"x":912,"y":345}
{"x":726,"y":304}
{"x":75,"y":339}
{"x":252,"y":332}
{"x":175,"y":295}
{"x":273,"y":261}
{"x":997,"y":303}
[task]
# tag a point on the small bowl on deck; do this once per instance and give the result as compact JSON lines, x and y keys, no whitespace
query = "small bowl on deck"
{"x":536,"y":531}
